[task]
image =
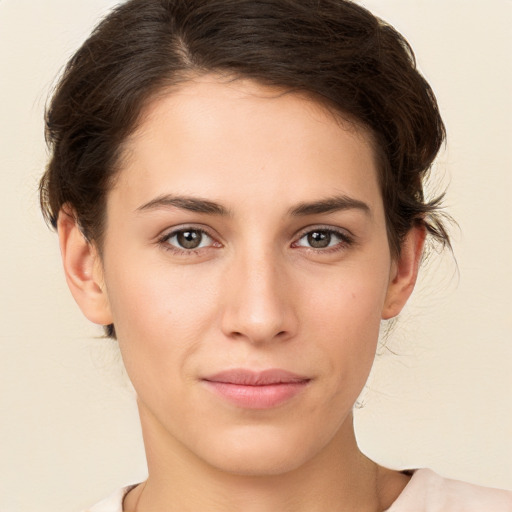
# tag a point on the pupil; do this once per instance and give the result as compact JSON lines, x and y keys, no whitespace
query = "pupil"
{"x":189,"y":239}
{"x":319,"y":239}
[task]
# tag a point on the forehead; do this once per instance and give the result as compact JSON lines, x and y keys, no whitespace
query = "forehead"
{"x":238,"y":137}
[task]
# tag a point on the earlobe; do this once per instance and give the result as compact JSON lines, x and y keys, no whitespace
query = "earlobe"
{"x":83,"y":270}
{"x":404,"y":272}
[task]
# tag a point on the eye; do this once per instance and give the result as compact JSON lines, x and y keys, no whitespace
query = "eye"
{"x":188,"y":239}
{"x":323,"y":239}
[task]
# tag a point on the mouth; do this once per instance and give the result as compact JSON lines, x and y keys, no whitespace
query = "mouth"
{"x":248,"y":389}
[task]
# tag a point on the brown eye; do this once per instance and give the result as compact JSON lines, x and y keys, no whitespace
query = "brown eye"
{"x":319,"y":239}
{"x":324,"y":239}
{"x":188,"y":239}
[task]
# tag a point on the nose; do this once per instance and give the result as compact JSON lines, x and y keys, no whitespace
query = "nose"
{"x":259,"y":305}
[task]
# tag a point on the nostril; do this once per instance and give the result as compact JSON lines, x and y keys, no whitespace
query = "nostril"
{"x":236,"y":335}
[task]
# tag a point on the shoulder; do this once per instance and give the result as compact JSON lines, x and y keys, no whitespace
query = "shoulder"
{"x":429,"y":492}
{"x":114,"y":503}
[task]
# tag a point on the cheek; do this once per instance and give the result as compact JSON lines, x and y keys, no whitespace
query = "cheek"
{"x":346,"y":318}
{"x":350,"y":301}
{"x":160,"y":317}
{"x":153,"y":295}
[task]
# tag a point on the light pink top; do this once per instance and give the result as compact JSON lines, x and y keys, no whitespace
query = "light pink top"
{"x":429,"y":492}
{"x":425,"y":492}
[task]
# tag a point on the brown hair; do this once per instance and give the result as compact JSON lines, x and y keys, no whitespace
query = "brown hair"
{"x":334,"y":50}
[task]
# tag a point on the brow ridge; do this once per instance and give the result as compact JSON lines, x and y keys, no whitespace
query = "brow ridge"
{"x":200,"y":205}
{"x":193,"y":204}
{"x":329,"y":205}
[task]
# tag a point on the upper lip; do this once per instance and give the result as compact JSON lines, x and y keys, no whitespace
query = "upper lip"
{"x":246,"y":377}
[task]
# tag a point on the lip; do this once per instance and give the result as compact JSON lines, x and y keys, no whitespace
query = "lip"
{"x":250,"y":389}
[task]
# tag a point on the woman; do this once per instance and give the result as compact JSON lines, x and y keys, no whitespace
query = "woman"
{"x":237,"y":188}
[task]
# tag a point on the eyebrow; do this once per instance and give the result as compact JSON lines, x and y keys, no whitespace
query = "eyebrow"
{"x":329,"y":205}
{"x":192,"y":204}
{"x":199,"y":205}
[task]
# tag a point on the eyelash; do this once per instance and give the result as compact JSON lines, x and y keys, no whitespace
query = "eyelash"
{"x":164,"y":241}
{"x":345,"y":240}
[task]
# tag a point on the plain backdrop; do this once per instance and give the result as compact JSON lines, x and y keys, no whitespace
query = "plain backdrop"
{"x":440,"y":392}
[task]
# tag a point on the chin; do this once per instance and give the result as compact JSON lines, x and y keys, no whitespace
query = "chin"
{"x":257,"y":463}
{"x":261,"y":452}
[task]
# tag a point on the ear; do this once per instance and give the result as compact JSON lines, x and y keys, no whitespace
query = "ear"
{"x":404,"y":272}
{"x":83,"y":269}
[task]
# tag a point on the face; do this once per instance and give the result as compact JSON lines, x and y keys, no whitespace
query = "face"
{"x":246,"y":268}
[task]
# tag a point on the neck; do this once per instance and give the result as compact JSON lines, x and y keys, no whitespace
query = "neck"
{"x":339,"y":478}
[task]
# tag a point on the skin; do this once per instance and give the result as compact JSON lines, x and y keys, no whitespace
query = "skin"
{"x":255,"y":294}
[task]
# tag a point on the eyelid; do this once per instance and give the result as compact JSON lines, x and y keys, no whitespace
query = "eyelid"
{"x":347,"y":238}
{"x":166,"y":235}
{"x":344,"y":232}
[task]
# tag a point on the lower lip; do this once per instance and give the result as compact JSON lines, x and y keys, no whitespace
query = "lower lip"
{"x":257,"y":397}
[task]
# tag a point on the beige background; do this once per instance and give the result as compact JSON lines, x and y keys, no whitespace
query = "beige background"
{"x":68,"y":425}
